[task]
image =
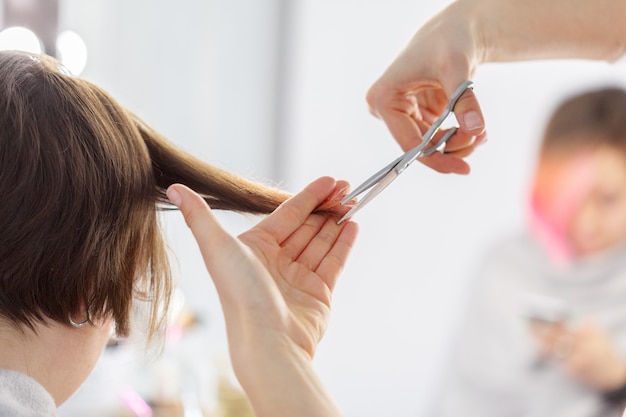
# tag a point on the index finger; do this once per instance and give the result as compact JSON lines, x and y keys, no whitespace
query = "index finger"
{"x":294,"y":212}
{"x":402,"y":127}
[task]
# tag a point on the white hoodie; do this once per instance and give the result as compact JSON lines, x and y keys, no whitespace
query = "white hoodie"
{"x":496,"y":370}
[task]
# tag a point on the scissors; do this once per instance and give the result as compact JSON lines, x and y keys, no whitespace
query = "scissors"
{"x":379,"y":181}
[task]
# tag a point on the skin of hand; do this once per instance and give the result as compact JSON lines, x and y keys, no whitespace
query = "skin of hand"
{"x":444,"y":52}
{"x":275,"y":283}
{"x":585,"y":351}
{"x":414,"y":90}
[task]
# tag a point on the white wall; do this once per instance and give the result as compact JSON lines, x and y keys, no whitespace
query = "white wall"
{"x":397,"y":302}
{"x":204,"y":73}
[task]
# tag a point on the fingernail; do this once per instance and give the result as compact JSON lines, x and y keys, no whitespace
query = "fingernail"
{"x":472,"y":121}
{"x":174,"y":196}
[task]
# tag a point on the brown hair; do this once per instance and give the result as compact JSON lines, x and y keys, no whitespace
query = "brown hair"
{"x":589,"y":119}
{"x":80,"y":180}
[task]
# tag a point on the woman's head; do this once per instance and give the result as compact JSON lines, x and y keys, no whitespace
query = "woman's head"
{"x":78,"y":227}
{"x":579,"y":190}
{"x":80,"y":181}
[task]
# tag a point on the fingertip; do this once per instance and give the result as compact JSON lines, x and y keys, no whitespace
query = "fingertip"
{"x":336,"y":196}
{"x":446,"y":164}
{"x":348,"y":235}
{"x":481,"y":139}
{"x":187,"y":201}
{"x":174,"y":195}
{"x":326,"y":181}
{"x":459,"y":167}
{"x":468,"y":113}
{"x":472,"y":121}
{"x":322,"y":188}
{"x":463,"y":170}
{"x":352,"y":229}
{"x":342,"y":184}
{"x":180,"y":195}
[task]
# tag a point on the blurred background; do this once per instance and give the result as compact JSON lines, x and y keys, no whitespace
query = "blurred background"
{"x":274,"y":90}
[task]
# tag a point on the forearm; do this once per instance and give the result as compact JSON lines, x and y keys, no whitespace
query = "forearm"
{"x":515,"y":30}
{"x":281,"y":382}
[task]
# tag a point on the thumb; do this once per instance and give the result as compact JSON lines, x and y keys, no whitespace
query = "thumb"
{"x":234,"y":271}
{"x":467,"y":110}
{"x":468,"y":113}
{"x":212,"y":239}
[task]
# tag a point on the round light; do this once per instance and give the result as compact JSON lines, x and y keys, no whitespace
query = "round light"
{"x":20,"y":39}
{"x":72,"y":51}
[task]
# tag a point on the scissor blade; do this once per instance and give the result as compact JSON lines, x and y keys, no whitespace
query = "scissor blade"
{"x":381,"y":185}
{"x":380,"y":180}
{"x":371,"y":181}
{"x":444,"y":138}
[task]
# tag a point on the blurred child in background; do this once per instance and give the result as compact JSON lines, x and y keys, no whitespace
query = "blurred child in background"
{"x":545,"y":329}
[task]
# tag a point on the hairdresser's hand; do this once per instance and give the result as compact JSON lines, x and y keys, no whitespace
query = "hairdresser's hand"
{"x":415,"y":89}
{"x":449,"y":47}
{"x":275,"y":283}
{"x":585,"y":351}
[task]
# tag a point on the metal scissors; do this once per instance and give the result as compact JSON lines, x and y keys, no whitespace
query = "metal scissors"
{"x":379,"y":181}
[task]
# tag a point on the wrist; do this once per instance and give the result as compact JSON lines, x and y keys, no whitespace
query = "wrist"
{"x":480,"y":29}
{"x":279,"y":380}
{"x":517,"y":30}
{"x":255,"y":357}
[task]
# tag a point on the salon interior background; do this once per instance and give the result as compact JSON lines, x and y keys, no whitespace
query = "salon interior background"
{"x":274,"y":89}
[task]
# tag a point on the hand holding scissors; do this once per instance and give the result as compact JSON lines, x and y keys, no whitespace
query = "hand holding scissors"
{"x":380,"y":180}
